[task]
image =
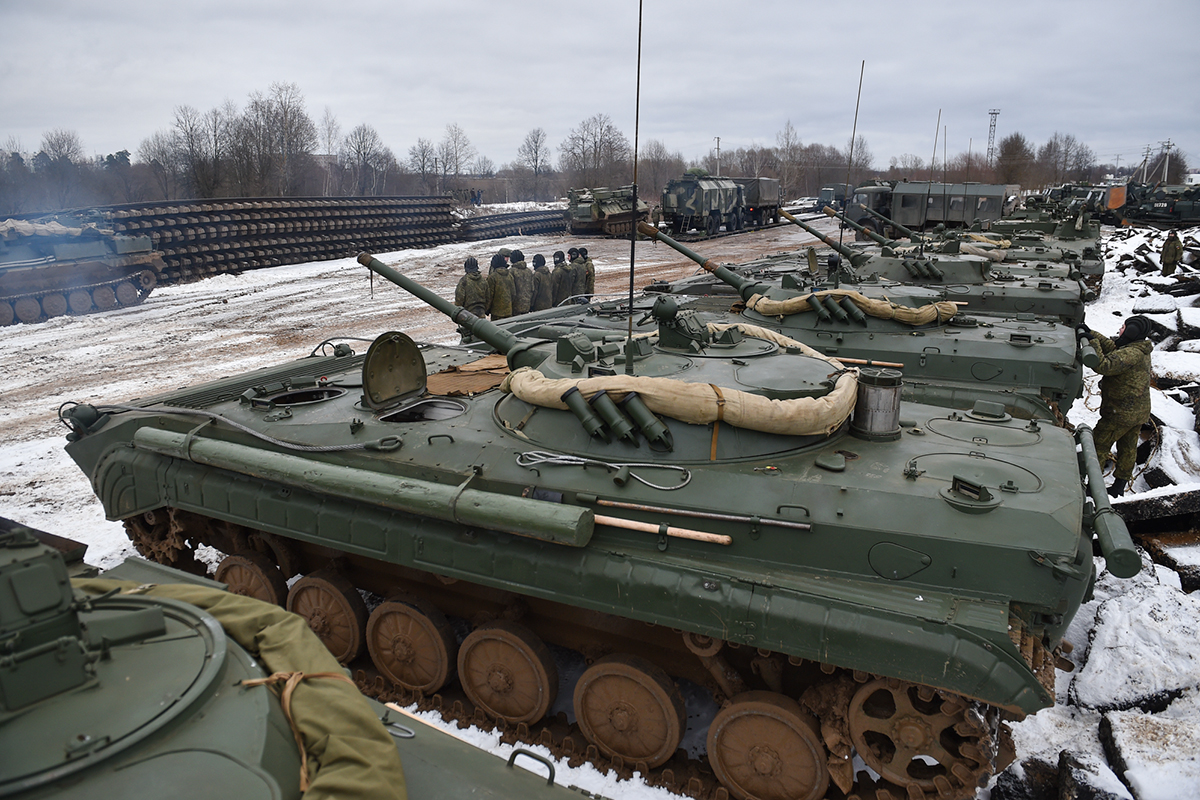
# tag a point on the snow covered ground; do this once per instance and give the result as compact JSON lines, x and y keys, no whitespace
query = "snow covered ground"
{"x":1138,"y":674}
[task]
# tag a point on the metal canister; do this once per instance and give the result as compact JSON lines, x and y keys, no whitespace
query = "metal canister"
{"x":877,"y":407}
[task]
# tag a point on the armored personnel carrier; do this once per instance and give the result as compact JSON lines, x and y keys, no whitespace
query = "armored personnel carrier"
{"x":713,"y":507}
{"x":607,"y":211}
{"x":48,"y":269}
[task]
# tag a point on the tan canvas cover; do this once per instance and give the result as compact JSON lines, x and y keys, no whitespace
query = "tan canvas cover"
{"x":350,"y":755}
{"x":883,"y":309}
{"x":702,"y":403}
{"x":995,"y":254}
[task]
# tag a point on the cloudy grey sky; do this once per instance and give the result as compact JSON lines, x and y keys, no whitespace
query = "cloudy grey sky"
{"x":1116,"y":78}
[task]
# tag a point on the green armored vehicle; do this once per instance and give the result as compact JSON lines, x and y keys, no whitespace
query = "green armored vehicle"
{"x":716,"y":507}
{"x":704,"y":203}
{"x":48,"y":269}
{"x":606,"y":211}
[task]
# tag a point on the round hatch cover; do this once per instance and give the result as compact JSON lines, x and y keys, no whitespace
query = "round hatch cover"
{"x":393,"y":370}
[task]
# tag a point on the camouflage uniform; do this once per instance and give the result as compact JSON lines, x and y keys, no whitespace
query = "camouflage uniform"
{"x":1172,"y":253}
{"x":543,"y":286}
{"x":474,"y":293}
{"x":578,"y":278}
{"x":501,"y":283}
{"x":522,"y":286}
{"x":1124,"y":399}
{"x":590,"y":277}
{"x":562,"y":280}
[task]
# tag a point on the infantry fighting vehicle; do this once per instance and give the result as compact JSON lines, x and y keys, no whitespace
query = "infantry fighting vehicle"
{"x":713,"y":507}
{"x":48,"y":269}
{"x":704,"y":203}
{"x":607,"y":211}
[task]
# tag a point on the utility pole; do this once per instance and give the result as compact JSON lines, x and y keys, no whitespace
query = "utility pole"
{"x":718,"y":138}
{"x":995,"y":112}
{"x":1167,"y":145}
{"x":1145,"y":162}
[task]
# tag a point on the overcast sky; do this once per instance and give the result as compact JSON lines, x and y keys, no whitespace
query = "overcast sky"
{"x":1116,"y":77}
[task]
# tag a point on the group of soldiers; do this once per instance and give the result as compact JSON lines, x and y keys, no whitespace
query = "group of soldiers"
{"x":512,"y":288}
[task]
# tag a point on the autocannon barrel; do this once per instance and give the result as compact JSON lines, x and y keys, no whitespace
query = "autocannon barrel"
{"x":896,"y":225}
{"x":515,"y":348}
{"x":1120,"y":555}
{"x":855,"y":258}
{"x":745,"y":287}
{"x":875,"y":237}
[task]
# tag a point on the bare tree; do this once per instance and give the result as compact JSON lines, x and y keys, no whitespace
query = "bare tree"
{"x":788,"y":150}
{"x":203,"y":145}
{"x":860,"y":160}
{"x":59,"y":159}
{"x":595,"y":153}
{"x":1014,"y":160}
{"x":455,"y":151}
{"x":331,"y":135}
{"x":421,"y":158}
{"x":534,"y":155}
{"x":161,"y":153}
{"x":657,"y":166}
{"x":484,"y":167}
{"x":905,"y":166}
{"x":369,"y":161}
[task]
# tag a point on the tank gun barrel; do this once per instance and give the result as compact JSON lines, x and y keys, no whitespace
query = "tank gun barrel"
{"x":875,"y":237}
{"x":515,"y":348}
{"x":854,"y":257}
{"x":745,"y":287}
{"x":896,"y":225}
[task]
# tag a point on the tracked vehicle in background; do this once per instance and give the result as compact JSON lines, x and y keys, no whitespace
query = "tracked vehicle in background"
{"x":715,"y":507}
{"x":605,"y":211}
{"x":48,"y":269}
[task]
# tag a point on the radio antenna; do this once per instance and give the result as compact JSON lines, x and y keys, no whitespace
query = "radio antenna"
{"x":637,"y":105}
{"x":929,"y":184}
{"x":850,"y":158}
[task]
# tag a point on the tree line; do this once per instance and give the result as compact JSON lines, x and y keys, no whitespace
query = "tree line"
{"x":272,"y":147}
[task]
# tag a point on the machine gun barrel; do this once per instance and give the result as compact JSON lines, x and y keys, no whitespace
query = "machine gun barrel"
{"x":745,"y":287}
{"x":515,"y":348}
{"x":855,"y":258}
{"x":875,"y":237}
{"x":896,"y":225}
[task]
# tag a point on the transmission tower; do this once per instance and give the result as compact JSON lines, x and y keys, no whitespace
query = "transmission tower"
{"x":995,"y":112}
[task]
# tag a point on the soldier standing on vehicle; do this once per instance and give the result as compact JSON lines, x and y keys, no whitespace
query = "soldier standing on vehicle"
{"x":501,"y":284}
{"x":562,"y":279}
{"x":1124,"y":394}
{"x":1172,"y":253}
{"x":589,"y":271}
{"x":543,"y":285}
{"x":473,"y":292}
{"x":522,"y":282}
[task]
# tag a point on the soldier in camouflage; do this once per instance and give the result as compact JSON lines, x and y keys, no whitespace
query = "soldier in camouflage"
{"x":578,"y":274}
{"x":562,"y":279}
{"x":543,"y":285}
{"x":589,"y":271}
{"x":473,"y":292}
{"x":1172,"y":253}
{"x":1124,"y":394}
{"x":500,"y":283}
{"x":522,"y":282}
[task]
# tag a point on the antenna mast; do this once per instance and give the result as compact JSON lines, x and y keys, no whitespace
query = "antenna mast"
{"x":637,"y":106}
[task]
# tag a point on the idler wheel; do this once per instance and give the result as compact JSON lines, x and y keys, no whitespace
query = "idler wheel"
{"x":147,"y":280}
{"x":28,"y":310}
{"x":253,"y":575}
{"x":104,"y":298}
{"x":127,"y":294}
{"x":80,"y":301}
{"x":334,"y":609}
{"x":916,"y":737}
{"x":55,"y":305}
{"x":411,"y":643}
{"x":629,"y":707}
{"x":507,"y":671}
{"x":764,"y":745}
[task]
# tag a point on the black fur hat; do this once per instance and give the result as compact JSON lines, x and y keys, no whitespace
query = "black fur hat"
{"x":1136,"y":329}
{"x":515,"y":256}
{"x":538,"y":260}
{"x":471,"y":265}
{"x":559,"y":257}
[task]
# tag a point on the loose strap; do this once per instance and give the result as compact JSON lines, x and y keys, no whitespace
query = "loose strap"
{"x":712,"y":453}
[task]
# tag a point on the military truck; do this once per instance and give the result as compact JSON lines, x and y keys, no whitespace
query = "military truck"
{"x":916,"y":204}
{"x":704,"y":203}
{"x":833,"y":195}
{"x":604,"y":211}
{"x":763,"y":197}
{"x":1157,"y":205}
